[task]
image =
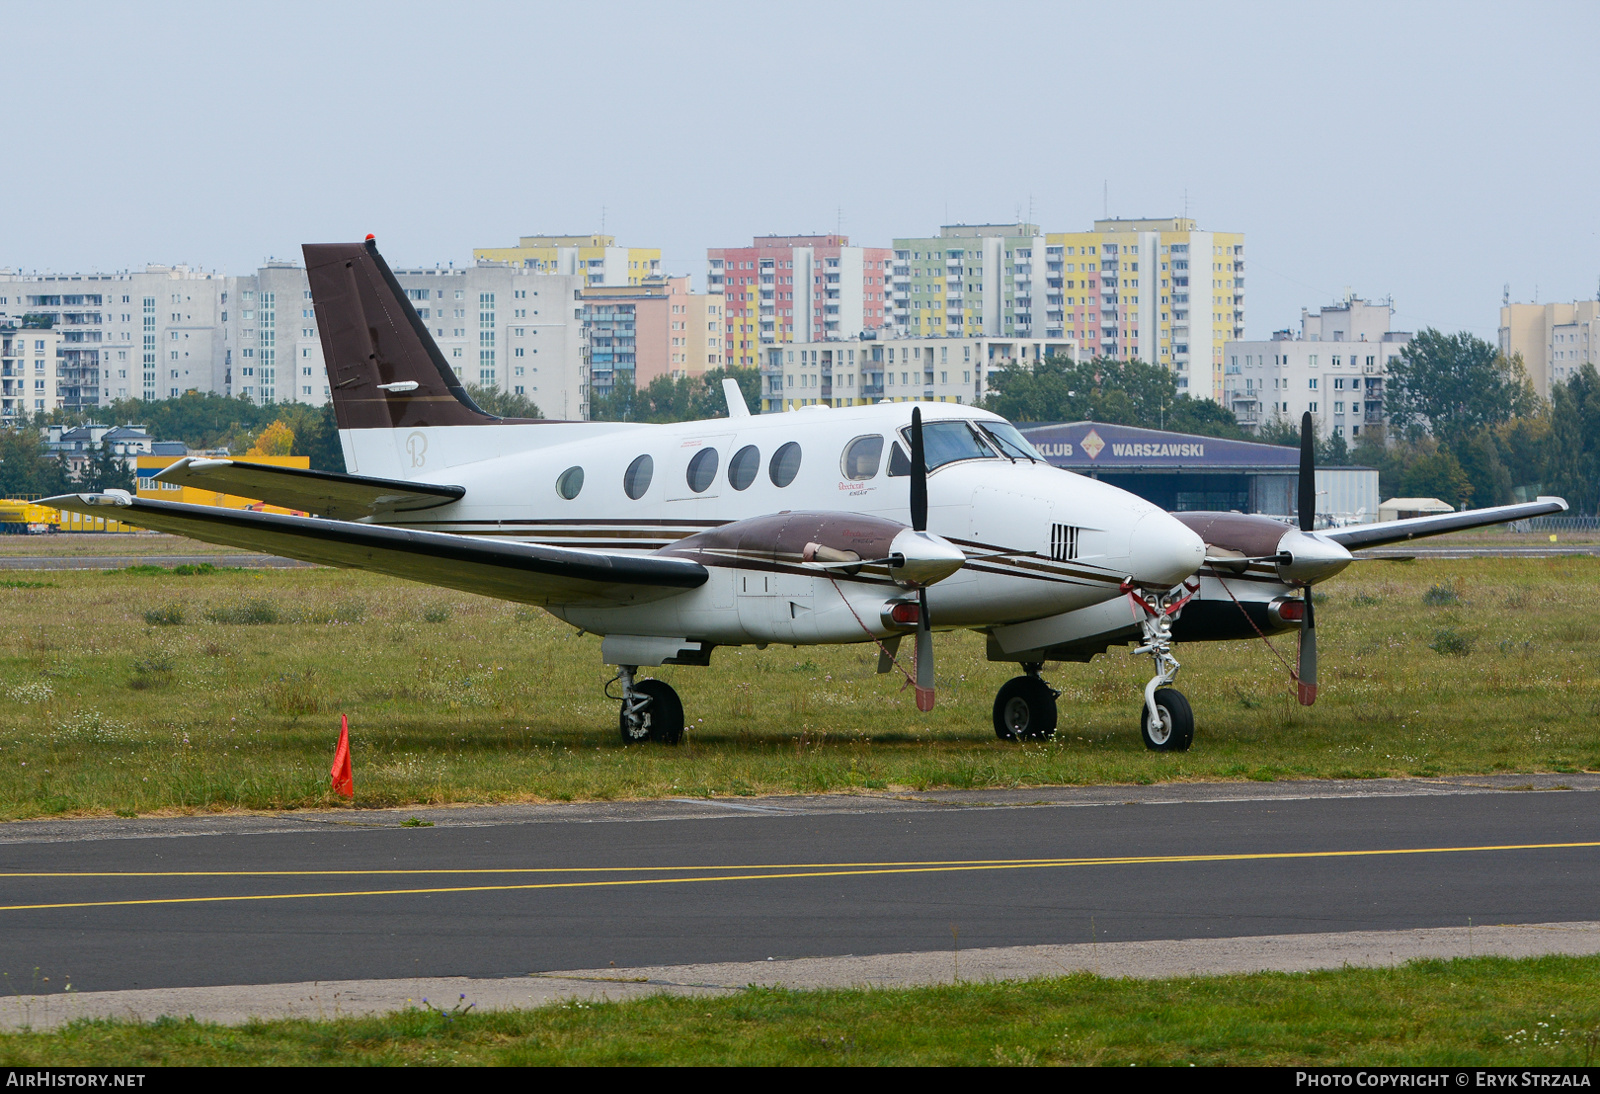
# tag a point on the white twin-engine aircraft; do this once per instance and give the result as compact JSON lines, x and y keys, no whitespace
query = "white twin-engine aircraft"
{"x":814,"y":527}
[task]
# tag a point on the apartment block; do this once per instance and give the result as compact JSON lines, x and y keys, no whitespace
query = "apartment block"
{"x":1335,"y":368}
{"x":658,"y":328}
{"x":510,"y":328}
{"x":595,"y":258}
{"x":1555,"y":340}
{"x":31,"y":369}
{"x":1159,"y":290}
{"x":857,"y":371}
{"x":789,"y":288}
{"x":969,"y":280}
{"x":150,"y":333}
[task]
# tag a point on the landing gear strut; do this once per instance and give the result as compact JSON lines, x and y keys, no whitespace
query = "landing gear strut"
{"x":1025,"y":708}
{"x":651,"y":710}
{"x":1165,"y":722}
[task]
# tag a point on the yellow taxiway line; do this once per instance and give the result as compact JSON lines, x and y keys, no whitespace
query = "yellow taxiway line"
{"x":777,"y":872}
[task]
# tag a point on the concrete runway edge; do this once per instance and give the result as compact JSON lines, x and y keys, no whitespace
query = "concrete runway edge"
{"x":233,"y":1005}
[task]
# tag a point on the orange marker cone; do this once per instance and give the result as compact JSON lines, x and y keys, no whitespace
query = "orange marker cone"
{"x":344,"y":782}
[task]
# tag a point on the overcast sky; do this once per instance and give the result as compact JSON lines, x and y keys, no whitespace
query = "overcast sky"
{"x":1434,"y":152}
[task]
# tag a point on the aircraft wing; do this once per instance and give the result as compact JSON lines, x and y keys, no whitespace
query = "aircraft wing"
{"x":327,"y":493}
{"x":1398,"y":531}
{"x":523,"y":572}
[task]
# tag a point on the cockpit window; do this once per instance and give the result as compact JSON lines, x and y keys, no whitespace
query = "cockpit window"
{"x":861,"y":458}
{"x":946,"y":442}
{"x":1005,"y":437}
{"x":899,"y":462}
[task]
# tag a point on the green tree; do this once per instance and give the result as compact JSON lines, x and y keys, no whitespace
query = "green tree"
{"x":684,"y":399}
{"x":1573,"y":451}
{"x":105,"y":471}
{"x":26,"y":467}
{"x":1104,"y":390}
{"x":316,"y":434}
{"x":1453,"y":385}
{"x":1427,"y":469}
{"x":503,"y":404}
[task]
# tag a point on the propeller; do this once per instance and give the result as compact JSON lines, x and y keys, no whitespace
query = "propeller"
{"x":919,"y":523}
{"x":1307,"y":671}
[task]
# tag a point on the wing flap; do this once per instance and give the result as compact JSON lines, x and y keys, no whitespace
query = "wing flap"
{"x":1398,"y":531}
{"x":330,"y":494}
{"x":523,"y":572}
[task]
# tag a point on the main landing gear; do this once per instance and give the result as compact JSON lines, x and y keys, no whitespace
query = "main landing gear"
{"x":1025,"y":708}
{"x":1166,"y":722}
{"x":651,"y":710}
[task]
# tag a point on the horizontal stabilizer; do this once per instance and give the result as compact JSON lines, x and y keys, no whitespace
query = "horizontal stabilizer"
{"x":1398,"y":531}
{"x":527,"y":573}
{"x":330,"y":494}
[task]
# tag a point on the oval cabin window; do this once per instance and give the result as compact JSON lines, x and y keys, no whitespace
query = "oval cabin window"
{"x":785,"y":464}
{"x":637,"y":479}
{"x":570,"y":483}
{"x":861,"y":458}
{"x":743,"y":467}
{"x":702,"y":470}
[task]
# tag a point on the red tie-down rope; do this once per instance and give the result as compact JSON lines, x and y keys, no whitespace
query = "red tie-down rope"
{"x":1293,"y":674}
{"x":911,"y":681}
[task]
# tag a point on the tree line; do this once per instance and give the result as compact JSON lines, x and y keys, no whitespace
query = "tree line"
{"x":1466,"y":424}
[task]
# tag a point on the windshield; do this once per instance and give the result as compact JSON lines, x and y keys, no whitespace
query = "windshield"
{"x":1005,"y":437}
{"x":946,"y":442}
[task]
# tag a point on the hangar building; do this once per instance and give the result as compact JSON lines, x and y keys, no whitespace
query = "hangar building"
{"x":1182,"y":471}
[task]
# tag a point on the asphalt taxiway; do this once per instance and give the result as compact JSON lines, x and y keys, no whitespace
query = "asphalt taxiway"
{"x":509,"y":893}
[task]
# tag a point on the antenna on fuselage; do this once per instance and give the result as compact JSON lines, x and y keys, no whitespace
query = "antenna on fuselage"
{"x":735,"y":397}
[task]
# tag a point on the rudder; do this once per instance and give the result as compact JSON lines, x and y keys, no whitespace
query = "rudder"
{"x":384,"y":369}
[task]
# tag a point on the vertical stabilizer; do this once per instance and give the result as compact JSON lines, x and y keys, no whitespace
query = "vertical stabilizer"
{"x":384,"y":369}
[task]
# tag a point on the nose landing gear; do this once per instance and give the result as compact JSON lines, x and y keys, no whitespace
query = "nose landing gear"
{"x":1166,"y":722}
{"x":1025,"y":708}
{"x":651,"y":710}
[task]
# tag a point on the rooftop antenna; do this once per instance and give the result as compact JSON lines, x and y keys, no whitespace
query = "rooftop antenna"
{"x":1105,"y":199}
{"x":1505,"y":296}
{"x":602,"y":220}
{"x":1030,"y":208}
{"x":1185,"y":203}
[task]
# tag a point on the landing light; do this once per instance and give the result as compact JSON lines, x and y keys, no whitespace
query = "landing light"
{"x":904,"y":614}
{"x":1287,"y":610}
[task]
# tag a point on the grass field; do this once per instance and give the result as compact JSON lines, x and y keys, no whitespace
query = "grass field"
{"x":1485,"y":1011}
{"x":142,"y":690}
{"x":118,"y":544}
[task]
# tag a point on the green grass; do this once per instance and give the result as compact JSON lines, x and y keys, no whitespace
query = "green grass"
{"x":132,"y":693}
{"x":1474,"y":1011}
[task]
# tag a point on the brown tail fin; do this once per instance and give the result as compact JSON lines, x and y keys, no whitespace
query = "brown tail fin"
{"x":385,"y":370}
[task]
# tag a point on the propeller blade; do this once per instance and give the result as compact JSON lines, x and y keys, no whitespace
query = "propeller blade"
{"x":924,"y":654}
{"x":919,"y":475}
{"x":1308,"y":474}
{"x":1308,"y":655}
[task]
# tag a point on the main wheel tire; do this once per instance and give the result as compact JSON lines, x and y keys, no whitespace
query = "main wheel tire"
{"x":661,"y":719}
{"x":1175,"y":732}
{"x":1025,"y":710}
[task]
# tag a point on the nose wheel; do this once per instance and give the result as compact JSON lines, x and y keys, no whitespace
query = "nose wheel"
{"x":651,"y":710}
{"x":1165,"y":721}
{"x":1025,"y":709}
{"x":1171,"y":729}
